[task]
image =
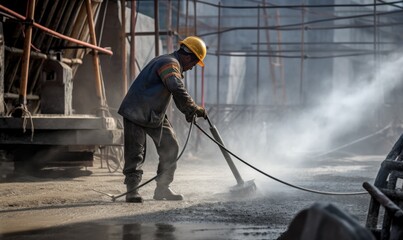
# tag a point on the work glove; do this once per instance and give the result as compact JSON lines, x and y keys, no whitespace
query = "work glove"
{"x":199,"y":112}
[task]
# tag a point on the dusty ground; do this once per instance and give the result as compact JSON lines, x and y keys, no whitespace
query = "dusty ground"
{"x":61,"y":204}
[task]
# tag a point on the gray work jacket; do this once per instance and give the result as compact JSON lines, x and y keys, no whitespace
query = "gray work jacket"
{"x":149,"y":95}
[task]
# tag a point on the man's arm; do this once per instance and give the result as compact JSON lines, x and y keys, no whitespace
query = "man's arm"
{"x":172,"y":79}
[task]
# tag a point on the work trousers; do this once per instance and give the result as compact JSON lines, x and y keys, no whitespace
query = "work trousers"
{"x":166,"y":144}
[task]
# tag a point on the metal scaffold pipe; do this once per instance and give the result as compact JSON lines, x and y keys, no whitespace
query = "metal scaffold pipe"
{"x":133,"y":22}
{"x":156,"y":28}
{"x":56,"y":34}
{"x":298,"y":6}
{"x":27,"y":50}
{"x":123,"y":42}
{"x":95,"y":57}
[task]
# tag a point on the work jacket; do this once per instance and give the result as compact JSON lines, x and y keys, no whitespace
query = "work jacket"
{"x":149,"y":95}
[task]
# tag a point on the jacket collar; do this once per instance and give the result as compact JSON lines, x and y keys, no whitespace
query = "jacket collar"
{"x":176,"y":55}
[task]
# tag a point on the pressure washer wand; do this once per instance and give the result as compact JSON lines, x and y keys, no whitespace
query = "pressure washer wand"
{"x":227,"y":157}
{"x":242,"y":187}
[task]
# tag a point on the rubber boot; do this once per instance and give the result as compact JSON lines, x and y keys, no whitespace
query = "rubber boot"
{"x":163,"y":192}
{"x":133,"y":195}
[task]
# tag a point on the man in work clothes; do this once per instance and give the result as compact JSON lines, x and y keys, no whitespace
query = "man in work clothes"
{"x":144,"y":113}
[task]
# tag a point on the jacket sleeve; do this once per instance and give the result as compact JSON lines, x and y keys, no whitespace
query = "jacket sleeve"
{"x":172,"y":78}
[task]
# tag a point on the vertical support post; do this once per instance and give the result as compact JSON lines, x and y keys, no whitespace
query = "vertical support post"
{"x":301,"y":74}
{"x":178,"y":15}
{"x":95,"y":56}
{"x":258,"y":57}
{"x":271,"y":63}
{"x":218,"y":58}
{"x":195,"y":33}
{"x":202,"y":88}
{"x":156,"y":28}
{"x":186,"y":34}
{"x":2,"y":67}
{"x":27,"y":53}
{"x":280,"y":60}
{"x":376,"y":77}
{"x":133,"y":23}
{"x":186,"y":19}
{"x":195,"y":17}
{"x":123,"y":44}
{"x":169,"y":42}
{"x":169,"y":27}
{"x":374,"y":37}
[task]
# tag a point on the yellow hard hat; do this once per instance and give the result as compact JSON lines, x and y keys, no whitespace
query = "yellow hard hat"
{"x":197,"y":46}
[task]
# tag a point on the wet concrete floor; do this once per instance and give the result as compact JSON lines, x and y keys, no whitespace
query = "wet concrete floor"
{"x":142,"y":231}
{"x":67,"y":208}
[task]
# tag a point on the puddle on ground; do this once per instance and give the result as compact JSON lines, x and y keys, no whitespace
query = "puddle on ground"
{"x":145,"y":231}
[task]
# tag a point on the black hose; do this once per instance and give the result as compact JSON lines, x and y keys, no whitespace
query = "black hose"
{"x":272,"y":177}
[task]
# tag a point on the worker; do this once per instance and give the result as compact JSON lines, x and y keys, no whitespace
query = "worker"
{"x":144,"y":113}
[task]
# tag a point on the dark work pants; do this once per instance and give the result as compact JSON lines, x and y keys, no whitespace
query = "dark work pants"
{"x":135,"y":147}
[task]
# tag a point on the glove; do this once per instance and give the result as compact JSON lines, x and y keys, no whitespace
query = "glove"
{"x":199,"y":112}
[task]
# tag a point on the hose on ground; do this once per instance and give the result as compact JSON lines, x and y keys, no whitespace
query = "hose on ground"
{"x":274,"y":178}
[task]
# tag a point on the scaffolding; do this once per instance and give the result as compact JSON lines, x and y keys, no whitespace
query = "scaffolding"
{"x":275,"y":47}
{"x":271,"y":37}
{"x":271,"y":49}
